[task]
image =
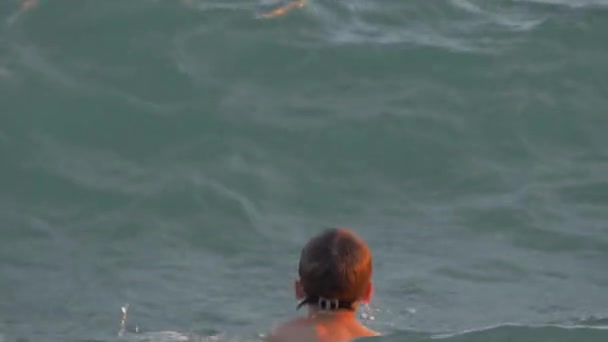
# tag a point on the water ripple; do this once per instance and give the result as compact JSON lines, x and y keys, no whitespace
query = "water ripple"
{"x":33,"y":60}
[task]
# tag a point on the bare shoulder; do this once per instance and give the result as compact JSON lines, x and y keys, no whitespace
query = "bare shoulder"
{"x":367,"y":332}
{"x":284,"y":331}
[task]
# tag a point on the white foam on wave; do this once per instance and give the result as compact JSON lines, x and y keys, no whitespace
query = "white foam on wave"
{"x":160,"y":336}
{"x":513,"y":21}
{"x":176,"y":336}
{"x":433,"y":25}
{"x":353,"y":28}
{"x":518,"y":325}
{"x":569,"y":3}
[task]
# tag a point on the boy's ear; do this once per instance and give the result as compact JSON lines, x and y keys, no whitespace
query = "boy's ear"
{"x":367,"y":295}
{"x":299,"y":290}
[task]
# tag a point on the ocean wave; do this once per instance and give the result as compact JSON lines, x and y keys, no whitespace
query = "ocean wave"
{"x":454,"y":25}
{"x":581,"y":4}
{"x":33,"y":59}
{"x":517,"y":21}
{"x":384,"y":24}
{"x":509,"y":333}
{"x":92,"y":169}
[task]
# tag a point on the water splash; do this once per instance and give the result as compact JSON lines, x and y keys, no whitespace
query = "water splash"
{"x":160,"y":336}
{"x":367,"y":312}
{"x":123,"y":321}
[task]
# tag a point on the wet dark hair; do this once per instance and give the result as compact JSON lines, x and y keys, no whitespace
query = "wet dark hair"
{"x":335,"y":269}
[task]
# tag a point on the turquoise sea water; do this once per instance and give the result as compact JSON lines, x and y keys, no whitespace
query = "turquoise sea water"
{"x":176,"y":155}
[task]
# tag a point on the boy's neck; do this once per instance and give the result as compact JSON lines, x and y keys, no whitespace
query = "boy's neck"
{"x":331,"y":315}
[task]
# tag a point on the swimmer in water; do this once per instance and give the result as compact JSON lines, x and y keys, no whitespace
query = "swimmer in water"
{"x":335,"y":273}
{"x":285,"y":9}
{"x":28,"y":4}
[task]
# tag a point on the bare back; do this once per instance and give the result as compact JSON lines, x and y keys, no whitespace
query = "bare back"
{"x":319,"y":330}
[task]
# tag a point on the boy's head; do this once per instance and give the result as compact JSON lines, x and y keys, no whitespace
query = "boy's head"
{"x":335,"y":267}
